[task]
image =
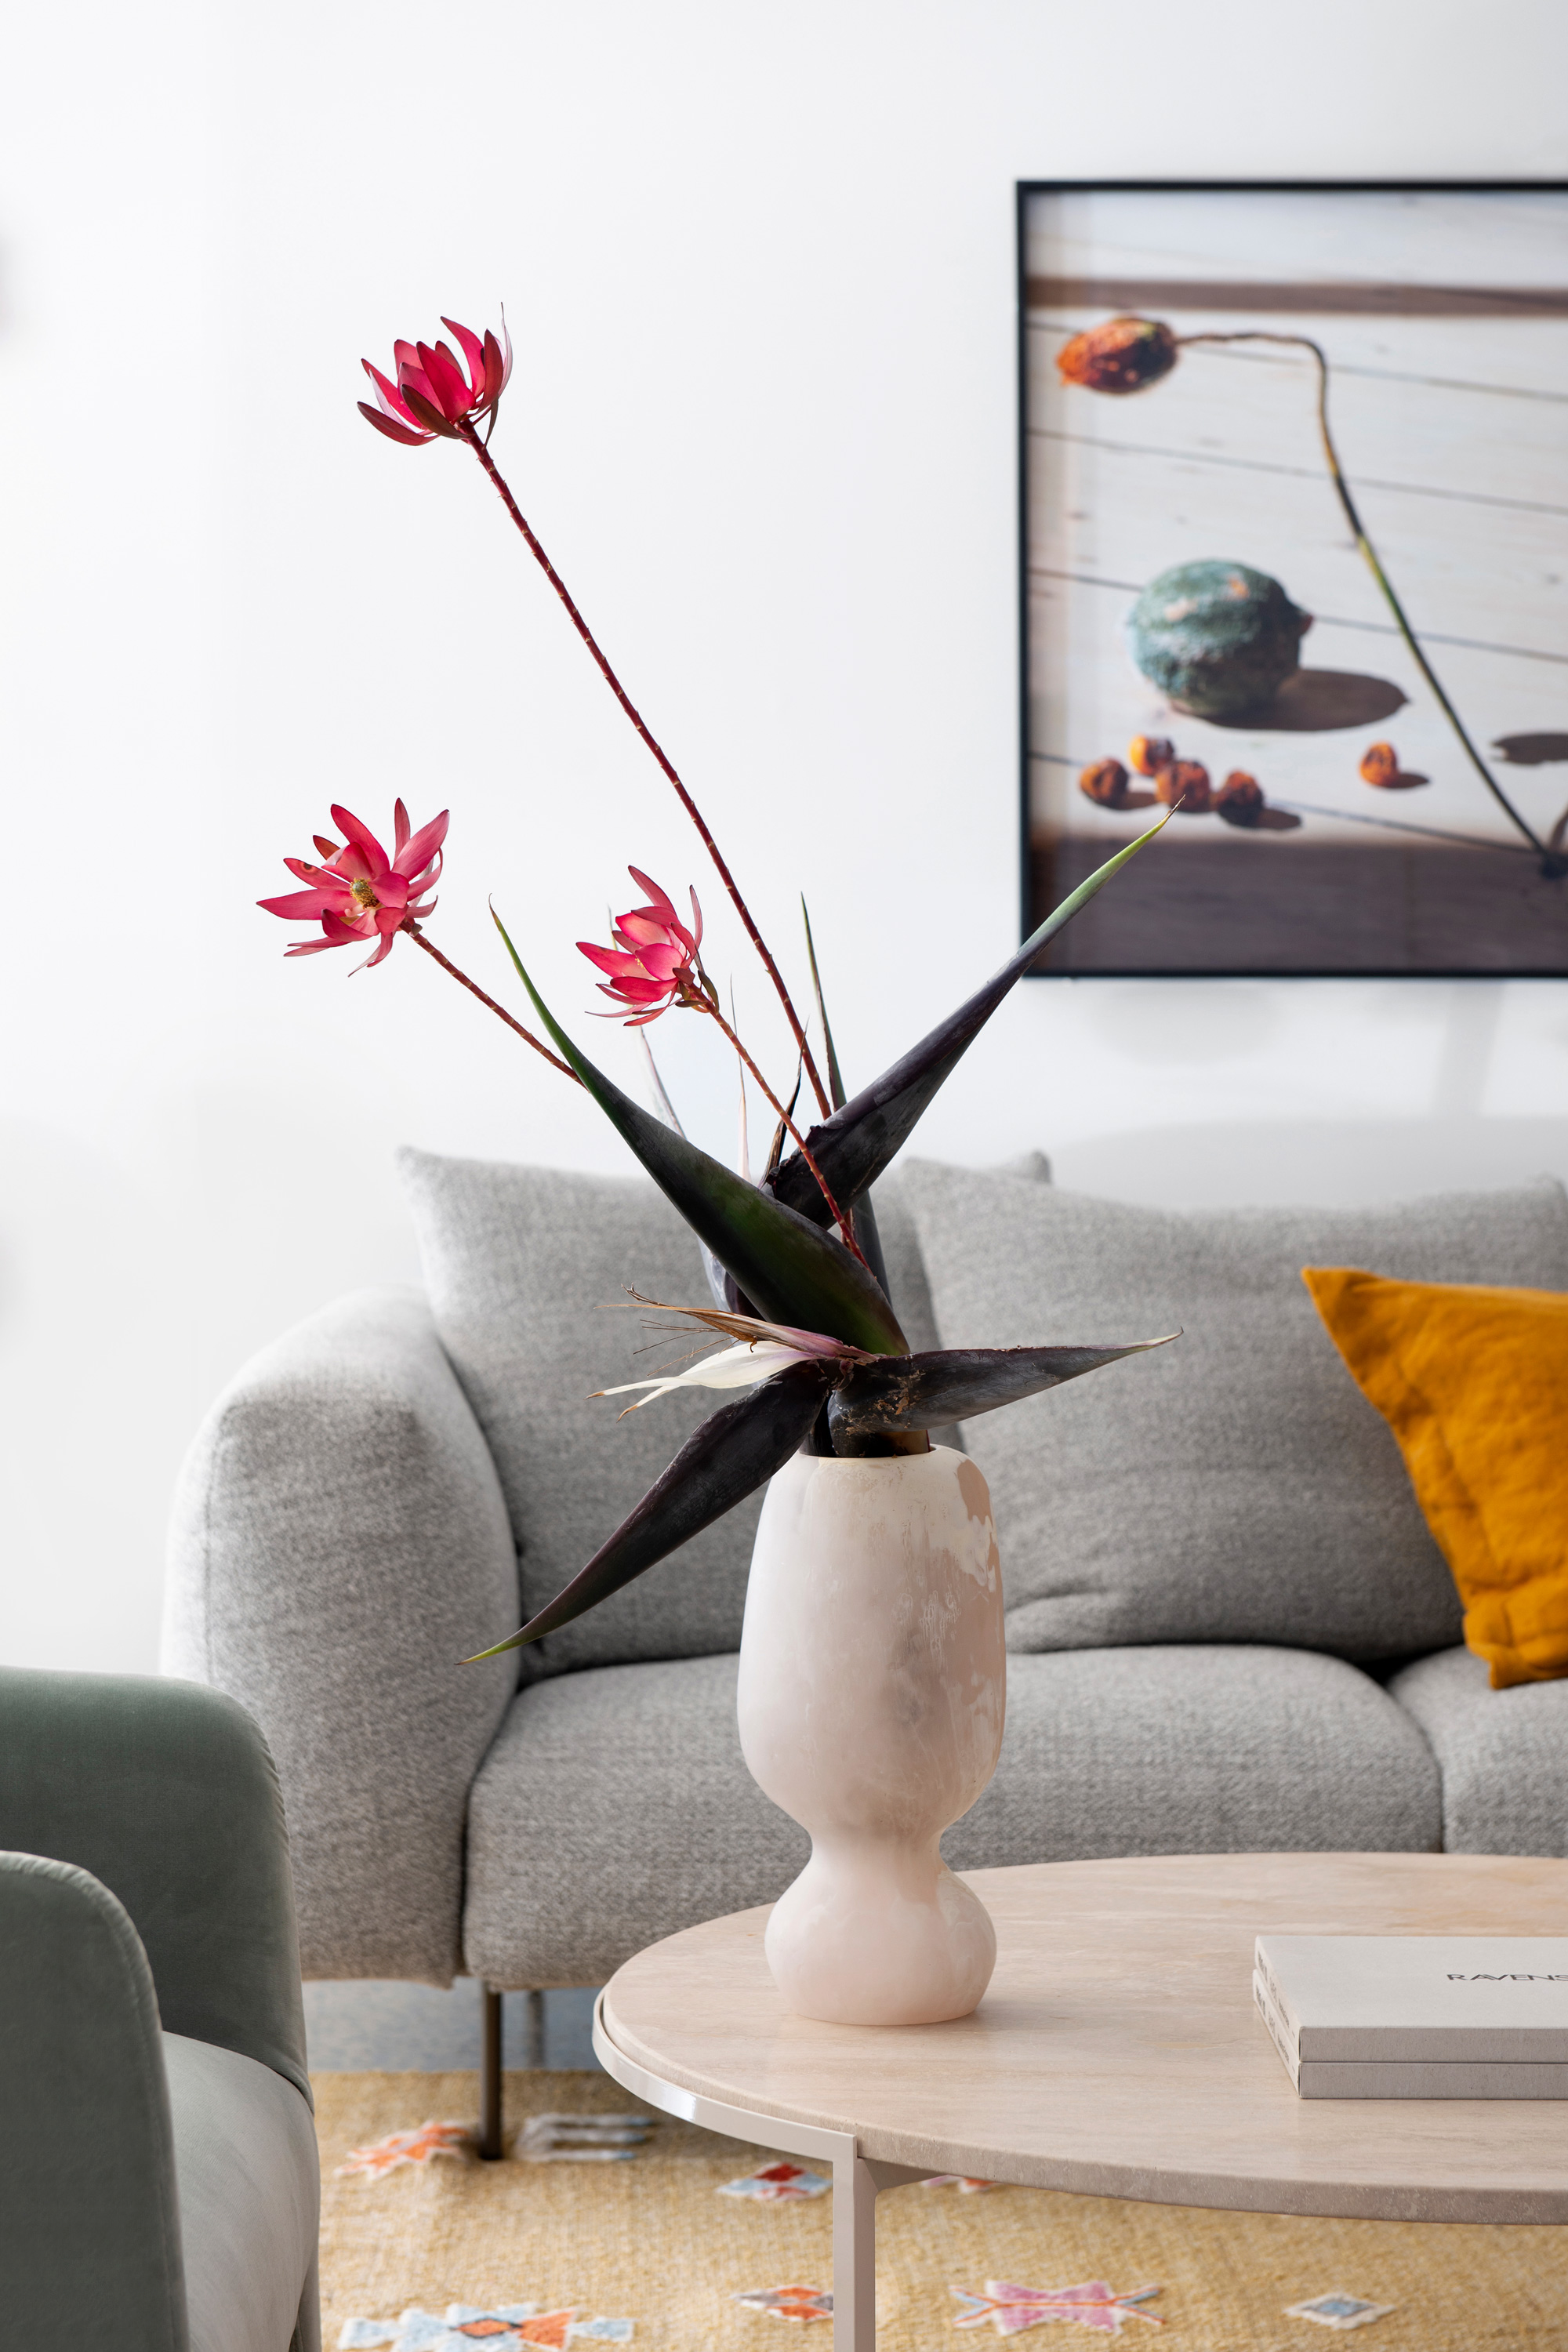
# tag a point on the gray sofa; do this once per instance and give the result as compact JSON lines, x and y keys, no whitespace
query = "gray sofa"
{"x":1229,"y":1627}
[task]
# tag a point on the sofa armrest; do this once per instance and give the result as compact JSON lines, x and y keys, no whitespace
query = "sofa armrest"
{"x":339,"y":1545}
{"x":90,"y":2239}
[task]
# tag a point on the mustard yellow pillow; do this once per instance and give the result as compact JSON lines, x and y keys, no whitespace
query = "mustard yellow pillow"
{"x":1473,"y":1381}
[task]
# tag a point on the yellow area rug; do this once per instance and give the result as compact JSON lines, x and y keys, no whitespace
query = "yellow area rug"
{"x":564,"y":2253}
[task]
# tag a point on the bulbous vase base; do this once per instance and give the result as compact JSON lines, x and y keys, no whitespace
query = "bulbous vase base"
{"x":887,"y":1937}
{"x":872,"y":1695}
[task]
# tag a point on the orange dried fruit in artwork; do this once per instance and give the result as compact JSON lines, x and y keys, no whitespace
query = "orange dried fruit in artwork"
{"x":1239,"y":799}
{"x":1186,"y":782}
{"x":1380,"y":764}
{"x":1147,"y":754}
{"x":1104,"y":781}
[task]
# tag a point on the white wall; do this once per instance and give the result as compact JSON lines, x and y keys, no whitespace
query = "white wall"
{"x":758,"y":264}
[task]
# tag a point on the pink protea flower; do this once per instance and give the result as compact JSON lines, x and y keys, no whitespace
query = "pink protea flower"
{"x":432,"y":395}
{"x":358,"y":892}
{"x":655,"y":960}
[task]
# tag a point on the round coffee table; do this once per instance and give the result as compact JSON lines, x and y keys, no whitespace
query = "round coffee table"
{"x":1117,"y":2052}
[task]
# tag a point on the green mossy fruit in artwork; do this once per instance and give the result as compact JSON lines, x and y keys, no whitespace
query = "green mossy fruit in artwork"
{"x":1217,"y":638}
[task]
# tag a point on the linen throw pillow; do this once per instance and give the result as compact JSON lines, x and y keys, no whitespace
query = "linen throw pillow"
{"x":1473,"y":1381}
{"x":1235,"y":1486}
{"x":520,"y":1263}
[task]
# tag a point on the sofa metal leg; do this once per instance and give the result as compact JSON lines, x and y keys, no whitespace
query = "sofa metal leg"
{"x":489,"y":2076}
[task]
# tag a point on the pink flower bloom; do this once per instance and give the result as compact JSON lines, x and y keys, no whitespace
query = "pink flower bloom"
{"x":432,"y":395}
{"x":653,"y":954}
{"x":357,"y":892}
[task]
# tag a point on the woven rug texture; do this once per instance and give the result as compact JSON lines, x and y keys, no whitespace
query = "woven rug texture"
{"x":651,"y":2240}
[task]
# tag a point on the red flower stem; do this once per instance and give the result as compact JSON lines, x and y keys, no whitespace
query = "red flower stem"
{"x":691,"y":994}
{"x":687,"y":803}
{"x":418,"y":936}
{"x":1551,"y":866}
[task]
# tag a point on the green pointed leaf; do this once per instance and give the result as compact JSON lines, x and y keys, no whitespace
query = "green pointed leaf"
{"x":781,"y":1261}
{"x":862,"y":1216}
{"x":956,"y":1383}
{"x":732,"y":1456}
{"x":857,"y":1142}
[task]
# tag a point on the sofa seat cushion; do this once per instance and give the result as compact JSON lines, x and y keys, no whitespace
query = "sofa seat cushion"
{"x":1217,"y":1750}
{"x":249,"y":2194}
{"x":1235,"y":1486}
{"x":616,"y":1808}
{"x":1502,"y":1755}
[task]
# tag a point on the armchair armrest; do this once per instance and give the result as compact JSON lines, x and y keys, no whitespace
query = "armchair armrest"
{"x":92,"y":2224}
{"x":340,"y":1544}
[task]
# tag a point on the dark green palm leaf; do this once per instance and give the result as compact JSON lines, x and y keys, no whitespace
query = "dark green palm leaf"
{"x":732,"y":1456}
{"x":924,"y":1391}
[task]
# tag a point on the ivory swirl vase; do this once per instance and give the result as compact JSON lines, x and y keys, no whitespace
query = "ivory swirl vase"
{"x":872,"y":1693}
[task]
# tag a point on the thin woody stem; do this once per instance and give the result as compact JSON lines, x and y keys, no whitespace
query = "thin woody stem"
{"x":418,"y":936}
{"x":692,"y":994}
{"x":1550,"y":865}
{"x":687,"y":803}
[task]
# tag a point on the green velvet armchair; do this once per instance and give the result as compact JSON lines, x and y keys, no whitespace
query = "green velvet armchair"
{"x":159,"y":2186}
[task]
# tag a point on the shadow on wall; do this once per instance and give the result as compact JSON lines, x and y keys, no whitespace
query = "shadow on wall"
{"x":1332,"y":1163}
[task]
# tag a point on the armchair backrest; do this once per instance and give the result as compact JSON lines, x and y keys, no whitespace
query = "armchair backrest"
{"x":165,"y":1792}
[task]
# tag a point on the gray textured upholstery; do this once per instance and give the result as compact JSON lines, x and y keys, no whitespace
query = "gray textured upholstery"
{"x":1502,"y":1755}
{"x":1207,"y":1749}
{"x":249,"y":2199}
{"x":1236,"y":1485}
{"x":339,"y":1545}
{"x":615,"y":1808}
{"x":529,"y":1271}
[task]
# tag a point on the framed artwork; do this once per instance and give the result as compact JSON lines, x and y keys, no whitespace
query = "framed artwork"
{"x":1294,"y":493}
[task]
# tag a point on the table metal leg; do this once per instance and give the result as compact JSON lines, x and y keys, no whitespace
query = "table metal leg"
{"x":855,"y":2182}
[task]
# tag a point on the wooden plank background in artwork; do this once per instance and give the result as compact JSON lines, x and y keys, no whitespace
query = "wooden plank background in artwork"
{"x":1445,"y":318}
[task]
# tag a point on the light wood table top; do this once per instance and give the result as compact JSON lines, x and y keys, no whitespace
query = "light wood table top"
{"x":1118,"y":2051}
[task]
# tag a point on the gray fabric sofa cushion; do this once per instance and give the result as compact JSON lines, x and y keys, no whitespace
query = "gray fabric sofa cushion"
{"x":1201,"y":1750}
{"x":1235,"y":1486}
{"x":249,"y":2197}
{"x":521,"y":1264}
{"x":616,"y":1808}
{"x":1502,"y":1755}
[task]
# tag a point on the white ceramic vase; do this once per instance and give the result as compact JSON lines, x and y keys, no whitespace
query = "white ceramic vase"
{"x":873,"y":1686}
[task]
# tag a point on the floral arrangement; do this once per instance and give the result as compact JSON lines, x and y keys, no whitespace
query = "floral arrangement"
{"x":793,"y":1259}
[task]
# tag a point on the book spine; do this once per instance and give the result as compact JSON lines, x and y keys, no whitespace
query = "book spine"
{"x":1276,"y":2033}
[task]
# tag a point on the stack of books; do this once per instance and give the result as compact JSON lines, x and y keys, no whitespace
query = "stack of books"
{"x":1417,"y":2017}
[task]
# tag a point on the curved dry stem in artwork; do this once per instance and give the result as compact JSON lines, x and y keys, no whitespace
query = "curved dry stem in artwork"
{"x":1552,"y":864}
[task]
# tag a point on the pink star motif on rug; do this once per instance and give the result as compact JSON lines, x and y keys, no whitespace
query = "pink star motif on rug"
{"x":409,"y":2147}
{"x":1010,"y":2307}
{"x":800,"y":2303}
{"x":965,"y":2183}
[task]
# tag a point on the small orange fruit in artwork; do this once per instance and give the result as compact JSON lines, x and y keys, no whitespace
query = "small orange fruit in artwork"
{"x":1380,"y":764}
{"x":1186,"y":781}
{"x":1104,"y":781}
{"x":1239,"y":799}
{"x":1147,"y":754}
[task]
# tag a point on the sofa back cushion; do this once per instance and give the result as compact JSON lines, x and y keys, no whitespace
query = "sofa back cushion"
{"x":1235,"y":1486}
{"x":521,"y":1265}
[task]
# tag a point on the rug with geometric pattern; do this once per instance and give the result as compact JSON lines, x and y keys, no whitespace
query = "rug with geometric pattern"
{"x":602,"y":2226}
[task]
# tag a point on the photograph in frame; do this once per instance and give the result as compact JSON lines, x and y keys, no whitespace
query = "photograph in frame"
{"x":1294,"y":482}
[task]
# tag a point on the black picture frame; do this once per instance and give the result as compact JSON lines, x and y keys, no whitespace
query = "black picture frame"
{"x":1516,"y":929}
